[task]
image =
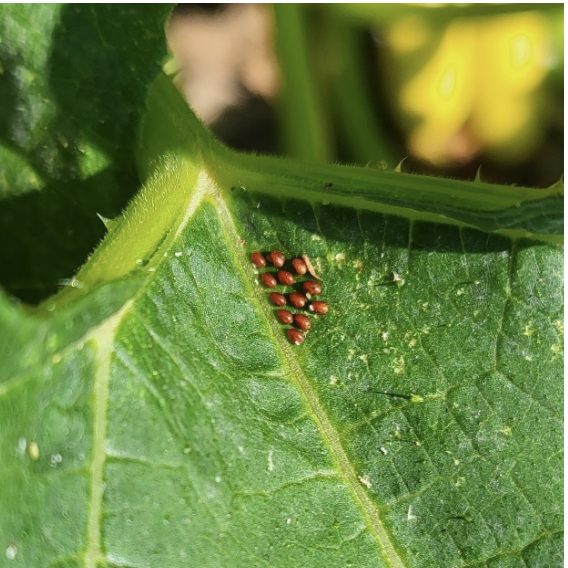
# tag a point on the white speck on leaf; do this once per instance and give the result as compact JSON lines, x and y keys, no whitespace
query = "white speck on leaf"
{"x":365,"y":481}
{"x":384,"y":451}
{"x":397,"y":278}
{"x":55,"y":459}
{"x":409,"y":515}
{"x":22,"y":444}
{"x":556,"y":350}
{"x":11,"y":551}
{"x":399,"y":364}
{"x":178,"y":253}
{"x":270,"y":462}
{"x":358,"y":265}
{"x":218,"y":479}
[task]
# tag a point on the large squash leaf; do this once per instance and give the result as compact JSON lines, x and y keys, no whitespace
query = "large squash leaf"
{"x":154,"y":414}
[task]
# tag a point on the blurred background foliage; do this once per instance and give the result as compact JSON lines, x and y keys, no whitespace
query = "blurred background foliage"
{"x":450,"y":88}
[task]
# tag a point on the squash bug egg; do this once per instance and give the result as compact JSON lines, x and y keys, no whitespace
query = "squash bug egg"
{"x":295,"y":336}
{"x":298,"y":300}
{"x":268,"y":280}
{"x":302,"y":321}
{"x":312,"y":287}
{"x":277,"y":258}
{"x":277,"y":299}
{"x":285,"y":316}
{"x":319,"y":307}
{"x":299,"y":266}
{"x":286,"y":278}
{"x":258,"y":259}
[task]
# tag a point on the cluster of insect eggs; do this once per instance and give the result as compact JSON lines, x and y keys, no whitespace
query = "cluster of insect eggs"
{"x":302,"y":322}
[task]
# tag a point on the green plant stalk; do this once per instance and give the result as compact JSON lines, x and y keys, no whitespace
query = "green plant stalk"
{"x":359,"y":126}
{"x":302,"y":122}
{"x":515,"y":212}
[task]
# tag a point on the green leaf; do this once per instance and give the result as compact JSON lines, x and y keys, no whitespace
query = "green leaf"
{"x":73,"y":81}
{"x":154,"y":414}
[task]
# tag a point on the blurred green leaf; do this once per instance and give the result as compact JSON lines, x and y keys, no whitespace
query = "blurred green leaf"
{"x":305,"y":130}
{"x":72,"y":85}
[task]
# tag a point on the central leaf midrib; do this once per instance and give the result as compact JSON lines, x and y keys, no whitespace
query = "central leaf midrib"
{"x":206,"y":188}
{"x":323,"y":423}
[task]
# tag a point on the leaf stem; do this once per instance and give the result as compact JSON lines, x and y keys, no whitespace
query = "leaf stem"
{"x":515,"y":212}
{"x":360,"y":126}
{"x":303,"y":123}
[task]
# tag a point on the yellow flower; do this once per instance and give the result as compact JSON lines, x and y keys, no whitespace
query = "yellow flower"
{"x":472,"y":84}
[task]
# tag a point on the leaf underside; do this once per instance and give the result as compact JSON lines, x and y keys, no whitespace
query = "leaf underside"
{"x":413,"y":427}
{"x":154,"y":414}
